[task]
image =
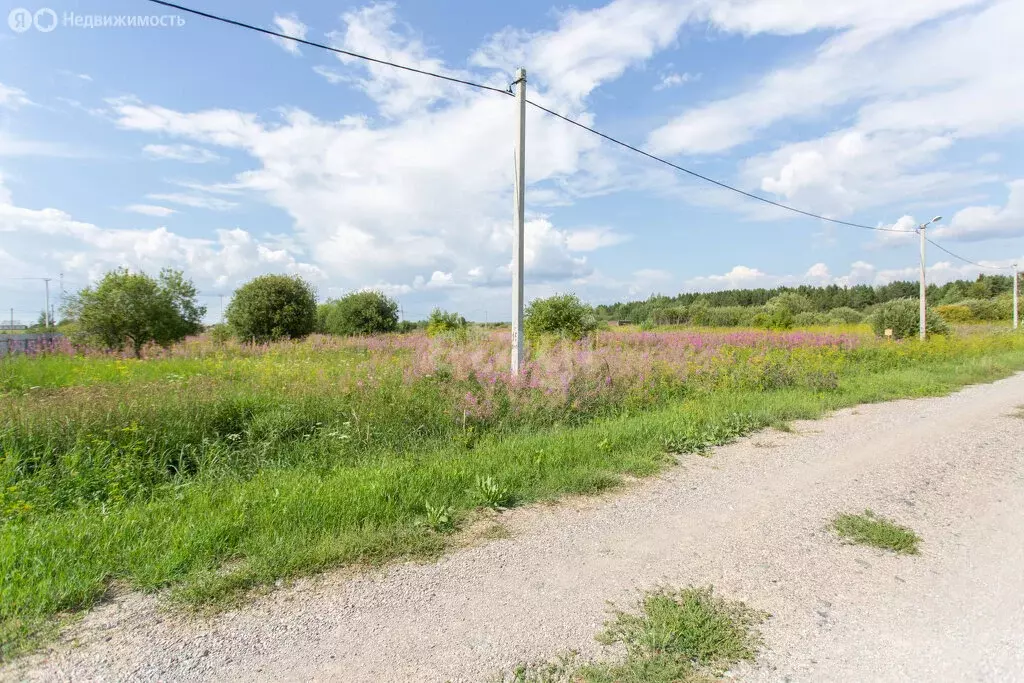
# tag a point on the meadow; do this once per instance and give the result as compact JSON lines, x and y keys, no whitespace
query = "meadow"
{"x":211,"y":468}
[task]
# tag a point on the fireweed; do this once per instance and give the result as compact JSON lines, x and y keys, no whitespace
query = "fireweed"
{"x":103,"y":429}
{"x":291,"y":457}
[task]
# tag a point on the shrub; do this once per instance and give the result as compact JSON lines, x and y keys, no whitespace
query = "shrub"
{"x":902,"y":317}
{"x":722,"y":316}
{"x":847,"y":315}
{"x":670,"y":315}
{"x":955,"y":313}
{"x":791,"y":301}
{"x":219,"y":333}
{"x":134,"y":308}
{"x":359,"y":313}
{"x":779,"y":317}
{"x":562,"y":315}
{"x":407,"y":326}
{"x":808,"y":318}
{"x":271,"y":307}
{"x":443,"y":322}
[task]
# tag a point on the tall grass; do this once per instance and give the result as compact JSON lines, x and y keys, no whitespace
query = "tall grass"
{"x":213,"y":469}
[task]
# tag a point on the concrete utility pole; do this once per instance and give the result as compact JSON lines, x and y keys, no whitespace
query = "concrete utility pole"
{"x":924,"y":286}
{"x":1016,"y":277}
{"x":46,"y":313}
{"x":519,"y":217}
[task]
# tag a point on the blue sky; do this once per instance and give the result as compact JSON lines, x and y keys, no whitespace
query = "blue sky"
{"x":223,"y":153}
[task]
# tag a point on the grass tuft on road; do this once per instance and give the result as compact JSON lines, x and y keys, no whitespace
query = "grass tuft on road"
{"x":677,"y":636}
{"x":874,"y":530}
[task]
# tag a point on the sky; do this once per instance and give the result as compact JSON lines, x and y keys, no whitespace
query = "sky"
{"x":226,"y":153}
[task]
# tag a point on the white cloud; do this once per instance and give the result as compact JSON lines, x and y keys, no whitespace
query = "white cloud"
{"x":5,"y":194}
{"x":87,"y":250}
{"x":905,"y":102}
{"x":988,"y":222}
{"x":739,"y":277}
{"x":672,"y":80}
{"x":591,"y":239}
{"x":17,"y":147}
{"x":186,"y":153}
{"x":195,"y":200}
{"x":903,"y":232}
{"x":150,"y":210}
{"x":860,"y":273}
{"x":331,"y":75}
{"x":12,"y":97}
{"x":870,"y":57}
{"x":289,"y":25}
{"x":374,"y":30}
{"x":588,"y":47}
{"x":425,"y":188}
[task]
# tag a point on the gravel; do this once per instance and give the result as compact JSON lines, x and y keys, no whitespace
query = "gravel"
{"x":751,"y":520}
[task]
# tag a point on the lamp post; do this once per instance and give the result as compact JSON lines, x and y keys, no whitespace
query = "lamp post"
{"x":924,"y":302}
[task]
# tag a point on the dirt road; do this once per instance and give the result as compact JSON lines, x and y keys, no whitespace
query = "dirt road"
{"x":750,"y":520}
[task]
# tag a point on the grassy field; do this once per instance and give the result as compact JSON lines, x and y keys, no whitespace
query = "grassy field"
{"x":210,"y":469}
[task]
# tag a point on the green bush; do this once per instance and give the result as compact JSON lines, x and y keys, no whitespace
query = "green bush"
{"x":359,"y":313}
{"x":443,"y":322}
{"x":271,"y":307}
{"x":780,"y":318}
{"x":847,"y":315}
{"x":219,"y":333}
{"x":135,"y":309}
{"x":670,"y":315}
{"x":791,"y":301}
{"x":721,"y":316}
{"x":809,"y":318}
{"x":902,"y":317}
{"x":955,"y":313}
{"x":562,"y":315}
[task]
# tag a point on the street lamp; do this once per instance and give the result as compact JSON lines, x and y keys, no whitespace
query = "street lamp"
{"x":924,"y":303}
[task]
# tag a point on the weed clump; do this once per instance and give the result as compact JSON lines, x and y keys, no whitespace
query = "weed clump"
{"x":874,"y":530}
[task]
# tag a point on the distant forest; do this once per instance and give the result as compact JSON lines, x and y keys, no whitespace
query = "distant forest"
{"x":822,"y":299}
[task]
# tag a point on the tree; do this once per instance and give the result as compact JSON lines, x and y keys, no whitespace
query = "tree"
{"x":792,"y":301}
{"x":134,"y":309}
{"x":902,"y":316}
{"x":563,"y":315}
{"x":443,"y":322}
{"x":359,"y":313}
{"x":272,"y":307}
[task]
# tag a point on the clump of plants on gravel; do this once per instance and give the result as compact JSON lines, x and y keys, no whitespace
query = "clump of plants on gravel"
{"x":875,"y":530}
{"x":676,"y":636}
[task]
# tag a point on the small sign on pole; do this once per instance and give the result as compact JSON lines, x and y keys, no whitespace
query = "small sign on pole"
{"x":888,"y":332}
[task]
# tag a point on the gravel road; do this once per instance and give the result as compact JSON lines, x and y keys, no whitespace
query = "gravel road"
{"x":750,"y":520}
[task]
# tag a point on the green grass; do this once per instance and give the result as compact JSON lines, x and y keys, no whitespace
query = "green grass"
{"x":676,"y":636}
{"x":207,"y":488}
{"x":874,"y":530}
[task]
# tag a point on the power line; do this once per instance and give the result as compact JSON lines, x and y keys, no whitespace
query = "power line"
{"x":481,"y":86}
{"x":706,"y":178}
{"x":322,"y":46}
{"x":958,"y":256}
{"x":544,"y":109}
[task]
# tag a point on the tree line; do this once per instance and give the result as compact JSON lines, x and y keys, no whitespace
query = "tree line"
{"x":862,"y":298}
{"x":130,"y":310}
